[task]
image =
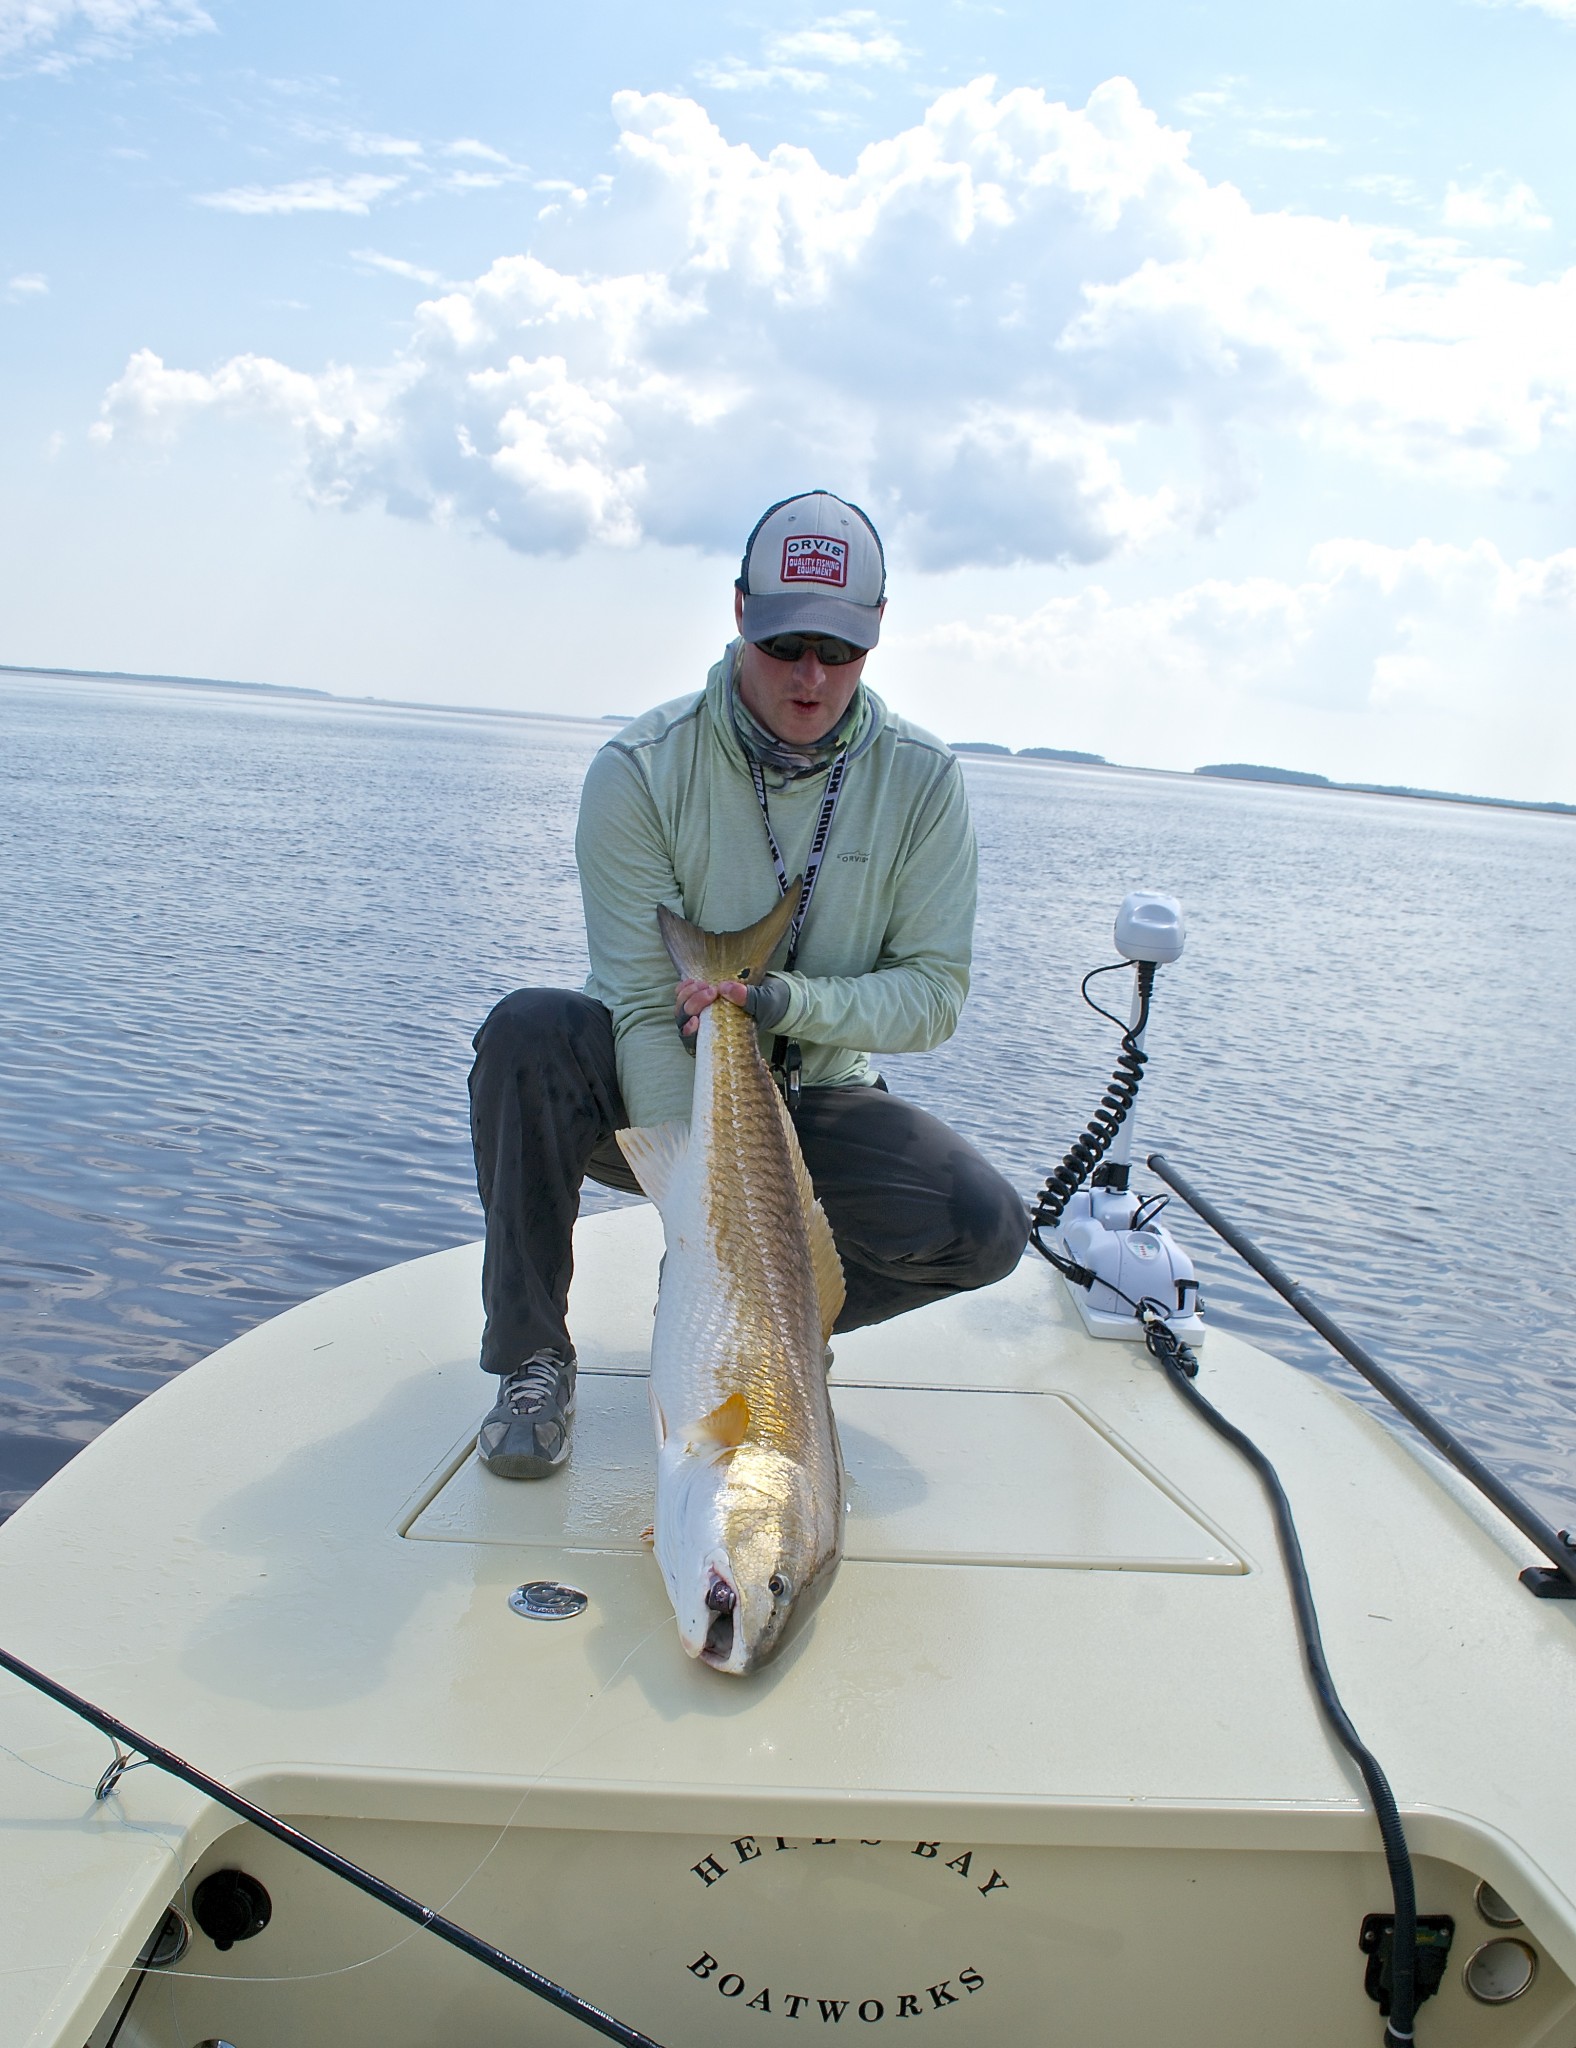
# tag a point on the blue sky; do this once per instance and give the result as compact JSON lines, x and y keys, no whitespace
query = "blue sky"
{"x":1211,"y":369}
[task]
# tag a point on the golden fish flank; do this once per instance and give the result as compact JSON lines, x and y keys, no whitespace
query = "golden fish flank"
{"x":749,"y":1514}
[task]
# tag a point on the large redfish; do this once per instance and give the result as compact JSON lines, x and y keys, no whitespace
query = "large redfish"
{"x":749,"y":1516}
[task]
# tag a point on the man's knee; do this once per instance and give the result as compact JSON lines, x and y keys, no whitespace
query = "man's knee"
{"x":532,"y":1017}
{"x":992,"y":1224}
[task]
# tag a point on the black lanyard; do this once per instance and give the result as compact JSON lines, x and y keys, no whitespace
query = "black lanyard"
{"x":812,"y":867}
{"x":785,"y":1051}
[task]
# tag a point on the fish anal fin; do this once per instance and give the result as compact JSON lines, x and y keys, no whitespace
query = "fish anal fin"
{"x":724,"y":1428}
{"x":655,"y":1153}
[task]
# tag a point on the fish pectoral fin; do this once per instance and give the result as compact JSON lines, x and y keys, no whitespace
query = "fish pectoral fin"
{"x":723,"y":1429}
{"x":655,"y":1153}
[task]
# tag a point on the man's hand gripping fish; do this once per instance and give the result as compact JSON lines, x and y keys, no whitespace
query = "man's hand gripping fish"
{"x":749,"y":1517}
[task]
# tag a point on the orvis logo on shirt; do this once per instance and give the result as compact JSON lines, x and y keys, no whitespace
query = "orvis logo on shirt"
{"x":813,"y":558}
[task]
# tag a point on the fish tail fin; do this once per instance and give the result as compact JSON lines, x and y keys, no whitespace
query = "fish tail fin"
{"x":727,"y":956}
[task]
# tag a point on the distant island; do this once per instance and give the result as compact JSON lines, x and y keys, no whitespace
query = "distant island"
{"x":1247,"y":771}
{"x":119,"y":675}
{"x":1230,"y":771}
{"x":115,"y":675}
{"x":1030,"y":753}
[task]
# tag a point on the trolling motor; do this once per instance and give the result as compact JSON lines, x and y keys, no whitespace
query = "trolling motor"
{"x":1108,"y":1244}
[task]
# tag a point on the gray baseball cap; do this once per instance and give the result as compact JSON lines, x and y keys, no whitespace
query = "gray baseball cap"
{"x":814,"y":564}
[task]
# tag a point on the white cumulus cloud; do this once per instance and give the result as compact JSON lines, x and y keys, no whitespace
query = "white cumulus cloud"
{"x":306,"y":195}
{"x":1497,"y":202}
{"x":792,"y":58}
{"x":55,"y":35}
{"x":28,"y":284}
{"x":1016,"y":330}
{"x":396,"y":266}
{"x":847,"y":40}
{"x":361,"y":144}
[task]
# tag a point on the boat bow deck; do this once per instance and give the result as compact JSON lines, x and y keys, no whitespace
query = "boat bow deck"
{"x":1060,"y":1622}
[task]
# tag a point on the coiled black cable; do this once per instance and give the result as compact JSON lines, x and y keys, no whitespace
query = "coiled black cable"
{"x":1099,"y":1134}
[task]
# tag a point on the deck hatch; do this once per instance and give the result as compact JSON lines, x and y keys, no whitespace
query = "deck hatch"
{"x":936,"y":1476}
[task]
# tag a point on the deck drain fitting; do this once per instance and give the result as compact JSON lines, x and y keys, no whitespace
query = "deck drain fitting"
{"x":167,"y":1943}
{"x":1500,"y":1971}
{"x":1493,"y":1908}
{"x":546,"y":1600}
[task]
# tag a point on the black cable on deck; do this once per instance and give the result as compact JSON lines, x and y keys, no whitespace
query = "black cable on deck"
{"x":397,"y":1901}
{"x":1180,"y":1366}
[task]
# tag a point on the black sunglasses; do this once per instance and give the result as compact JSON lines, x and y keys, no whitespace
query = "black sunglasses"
{"x":828,"y":652}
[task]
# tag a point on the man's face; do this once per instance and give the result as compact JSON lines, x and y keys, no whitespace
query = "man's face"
{"x":801,"y":700}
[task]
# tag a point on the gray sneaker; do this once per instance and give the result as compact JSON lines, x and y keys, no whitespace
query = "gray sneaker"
{"x":525,"y":1434}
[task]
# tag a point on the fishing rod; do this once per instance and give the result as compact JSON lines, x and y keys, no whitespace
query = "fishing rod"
{"x":1556,"y":1545}
{"x":375,"y":1887}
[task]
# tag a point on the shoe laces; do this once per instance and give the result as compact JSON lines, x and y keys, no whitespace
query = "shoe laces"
{"x":533,"y":1384}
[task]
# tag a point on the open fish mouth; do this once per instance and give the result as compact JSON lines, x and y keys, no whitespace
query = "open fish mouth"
{"x":723,"y":1601}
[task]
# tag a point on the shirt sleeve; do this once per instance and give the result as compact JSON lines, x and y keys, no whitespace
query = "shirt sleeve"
{"x":626,"y":870}
{"x":912,"y":998}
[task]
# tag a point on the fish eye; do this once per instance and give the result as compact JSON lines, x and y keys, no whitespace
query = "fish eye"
{"x":777,"y":1586}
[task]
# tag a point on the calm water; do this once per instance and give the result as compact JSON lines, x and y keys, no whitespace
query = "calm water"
{"x":245,"y":944}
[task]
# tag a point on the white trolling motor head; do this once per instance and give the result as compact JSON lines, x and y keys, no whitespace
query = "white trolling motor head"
{"x":1105,"y":1228}
{"x":1150,"y":927}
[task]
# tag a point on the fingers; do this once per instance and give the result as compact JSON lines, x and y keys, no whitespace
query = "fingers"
{"x":690,"y":998}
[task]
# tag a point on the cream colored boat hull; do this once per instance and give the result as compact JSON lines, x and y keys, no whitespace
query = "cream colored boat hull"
{"x":1044,"y":1767}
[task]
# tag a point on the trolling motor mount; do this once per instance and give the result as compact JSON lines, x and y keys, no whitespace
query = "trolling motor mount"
{"x":1123,"y":1255}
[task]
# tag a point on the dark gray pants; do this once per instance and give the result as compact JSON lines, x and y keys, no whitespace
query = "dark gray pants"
{"x":918,"y":1214}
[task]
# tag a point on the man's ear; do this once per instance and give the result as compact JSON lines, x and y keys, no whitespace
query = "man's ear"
{"x":738,"y":607}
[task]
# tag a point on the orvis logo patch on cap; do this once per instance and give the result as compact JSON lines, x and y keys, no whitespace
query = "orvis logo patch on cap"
{"x":813,"y":558}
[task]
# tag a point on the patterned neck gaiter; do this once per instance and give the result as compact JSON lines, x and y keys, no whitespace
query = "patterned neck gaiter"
{"x":793,"y":762}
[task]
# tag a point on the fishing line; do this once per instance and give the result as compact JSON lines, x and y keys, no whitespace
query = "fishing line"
{"x":366,"y":1962}
{"x":427,"y":1918}
{"x":27,"y":1764}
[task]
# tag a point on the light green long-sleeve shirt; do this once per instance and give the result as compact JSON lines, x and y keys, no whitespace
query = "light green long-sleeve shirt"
{"x":669,"y":815}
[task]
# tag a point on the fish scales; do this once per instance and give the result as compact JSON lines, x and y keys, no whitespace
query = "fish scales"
{"x":749,"y":1472}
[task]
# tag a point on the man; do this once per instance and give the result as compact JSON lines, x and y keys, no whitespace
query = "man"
{"x":785,"y":764}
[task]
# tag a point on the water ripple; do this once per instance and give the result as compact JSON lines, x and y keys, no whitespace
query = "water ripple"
{"x":246,"y":945}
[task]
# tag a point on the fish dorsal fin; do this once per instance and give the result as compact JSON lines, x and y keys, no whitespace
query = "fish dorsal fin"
{"x":830,"y":1290}
{"x":723,"y":1429}
{"x":655,"y":1153}
{"x":827,"y":1267}
{"x":727,"y":956}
